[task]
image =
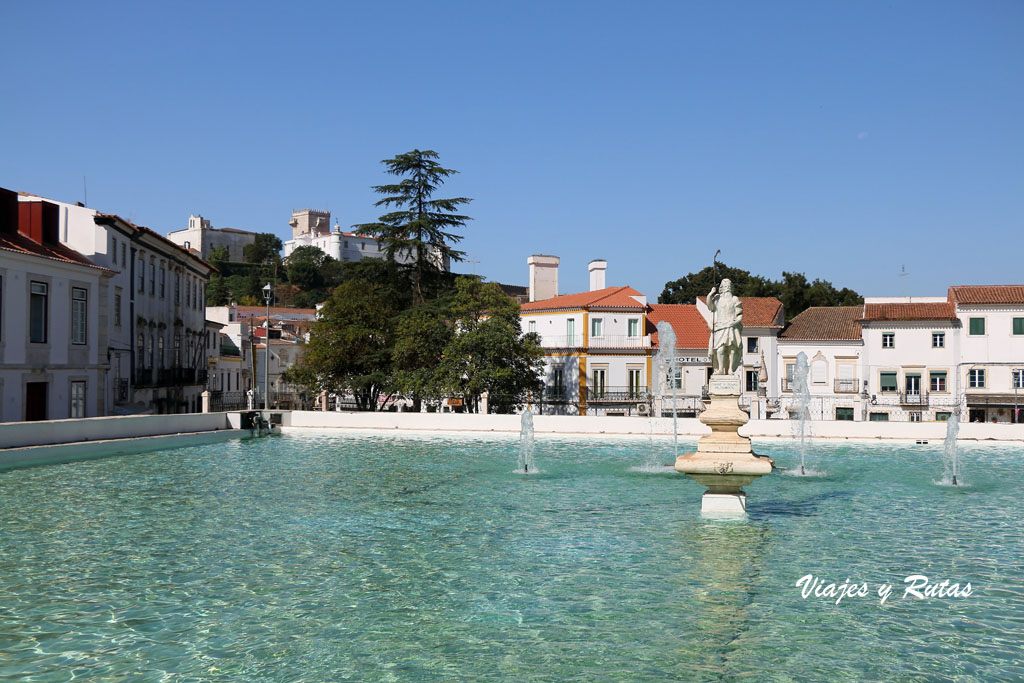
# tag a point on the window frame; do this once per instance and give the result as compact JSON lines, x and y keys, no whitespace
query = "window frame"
{"x":1017,"y":378}
{"x":44,"y":296}
{"x":882,"y":374}
{"x":79,"y":410}
{"x":976,"y":378}
{"x":79,"y":316}
{"x":597,"y":327}
{"x":934,"y":375}
{"x":752,"y":341}
{"x":632,"y":327}
{"x":889,"y":337}
{"x":1015,"y":325}
{"x":941,"y":338}
{"x":970,"y":326}
{"x":845,"y":413}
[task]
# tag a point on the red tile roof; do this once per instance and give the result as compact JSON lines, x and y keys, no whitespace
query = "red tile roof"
{"x":758,"y":311}
{"x":609,"y":297}
{"x":905,"y":312}
{"x":987,"y":294}
{"x":687,"y":322}
{"x":825,"y":323}
{"x":55,"y":252}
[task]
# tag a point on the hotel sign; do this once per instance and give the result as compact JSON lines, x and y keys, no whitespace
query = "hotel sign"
{"x":693,"y":360}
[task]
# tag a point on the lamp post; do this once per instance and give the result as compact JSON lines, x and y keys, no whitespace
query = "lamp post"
{"x":268,"y":293}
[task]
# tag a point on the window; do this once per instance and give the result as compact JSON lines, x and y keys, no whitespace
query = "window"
{"x":117,"y":308}
{"x":937,"y":381}
{"x":887,"y":381}
{"x":938,"y":340}
{"x":79,"y":311}
{"x":163,"y":281}
{"x":633,"y":327}
{"x":149,"y":350}
{"x":942,"y":416}
{"x":598,"y":382}
{"x":531,"y":327}
{"x":914,"y":415}
{"x":139,"y":351}
{"x":78,"y":399}
{"x":37,"y":317}
{"x":819,"y":372}
{"x":674,"y":378}
{"x":177,"y":351}
{"x":160,"y":351}
{"x":177,"y":289}
{"x":888,"y":340}
{"x":635,"y":385}
{"x":362,"y":246}
{"x":570,"y":330}
{"x":976,"y":379}
{"x":1018,"y":325}
{"x":976,"y":326}
{"x":152,"y":276}
{"x":557,"y":379}
{"x":596,"y":327}
{"x":1018,"y":379}
{"x":142,"y":274}
{"x":844,"y":414}
{"x":751,"y":376}
{"x":787,"y":385}
{"x":124,"y":254}
{"x":878,"y":417}
{"x":751,"y":344}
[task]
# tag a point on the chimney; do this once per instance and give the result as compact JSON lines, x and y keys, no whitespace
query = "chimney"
{"x":8,"y":212}
{"x":597,"y":268}
{"x":39,"y":221}
{"x":543,"y":276}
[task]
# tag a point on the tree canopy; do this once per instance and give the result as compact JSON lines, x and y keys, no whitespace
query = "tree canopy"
{"x":266,"y":249}
{"x":795,"y":292}
{"x":419,"y":228}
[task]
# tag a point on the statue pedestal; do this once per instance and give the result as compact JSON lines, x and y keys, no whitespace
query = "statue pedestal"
{"x":724,"y":461}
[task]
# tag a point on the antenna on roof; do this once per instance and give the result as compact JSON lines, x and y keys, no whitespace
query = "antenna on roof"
{"x":85,"y":192}
{"x":902,"y":274}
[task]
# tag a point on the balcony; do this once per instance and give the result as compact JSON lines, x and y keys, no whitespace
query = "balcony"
{"x":575,"y":341}
{"x":913,"y":398}
{"x":846,"y":386}
{"x":618,"y":394}
{"x":556,"y":394}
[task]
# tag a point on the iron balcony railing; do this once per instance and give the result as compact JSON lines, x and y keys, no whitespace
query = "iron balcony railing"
{"x":846,"y":386}
{"x":618,"y":394}
{"x":913,"y":398}
{"x":221,"y":401}
{"x":575,"y":341}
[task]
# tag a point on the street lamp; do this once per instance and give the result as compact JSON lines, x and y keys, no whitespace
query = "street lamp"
{"x":268,"y":293}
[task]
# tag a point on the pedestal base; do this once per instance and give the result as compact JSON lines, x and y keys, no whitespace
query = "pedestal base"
{"x":723,"y":505}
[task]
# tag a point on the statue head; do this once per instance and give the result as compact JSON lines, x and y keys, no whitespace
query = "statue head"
{"x":726,"y":286}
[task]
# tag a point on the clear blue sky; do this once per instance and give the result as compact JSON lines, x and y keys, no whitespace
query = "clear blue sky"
{"x":841,"y":140}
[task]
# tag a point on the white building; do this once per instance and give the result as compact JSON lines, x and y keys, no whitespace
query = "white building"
{"x":312,"y":228}
{"x":203,"y":237}
{"x":990,"y":368}
{"x":685,"y":391}
{"x":153,"y":310}
{"x":54,"y":359}
{"x":597,"y":351}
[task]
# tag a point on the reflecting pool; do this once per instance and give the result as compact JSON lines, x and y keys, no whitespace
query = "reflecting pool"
{"x":326,"y":556}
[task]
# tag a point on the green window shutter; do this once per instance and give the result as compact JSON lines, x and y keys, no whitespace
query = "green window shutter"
{"x":977,"y":326}
{"x":887,"y":381}
{"x":1018,"y":325}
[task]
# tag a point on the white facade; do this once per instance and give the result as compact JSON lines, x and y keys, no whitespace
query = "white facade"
{"x":53,"y":337}
{"x":990,"y":372}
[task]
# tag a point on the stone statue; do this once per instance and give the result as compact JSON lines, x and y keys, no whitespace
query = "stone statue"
{"x":725,"y":346}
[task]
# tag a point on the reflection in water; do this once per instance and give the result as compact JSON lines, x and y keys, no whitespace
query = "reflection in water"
{"x":725,"y":577}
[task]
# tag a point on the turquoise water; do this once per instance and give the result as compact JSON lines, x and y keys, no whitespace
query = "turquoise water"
{"x":332,"y":557}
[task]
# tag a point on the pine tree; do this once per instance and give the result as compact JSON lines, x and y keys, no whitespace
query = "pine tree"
{"x":420,"y":227}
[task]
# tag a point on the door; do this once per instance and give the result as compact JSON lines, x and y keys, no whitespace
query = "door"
{"x":599,"y":383}
{"x":634,"y":383}
{"x":913,"y":385}
{"x":35,"y":401}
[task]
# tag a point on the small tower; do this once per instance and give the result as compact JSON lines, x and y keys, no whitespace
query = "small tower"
{"x":306,"y":221}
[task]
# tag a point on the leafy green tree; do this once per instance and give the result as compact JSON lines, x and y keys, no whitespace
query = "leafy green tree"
{"x":418,"y":226}
{"x":421,"y":336}
{"x":350,"y":345}
{"x":488,"y":351}
{"x":217,"y":292}
{"x":265,"y":249}
{"x":219,"y":256}
{"x":305,"y":267}
{"x":795,"y":292}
